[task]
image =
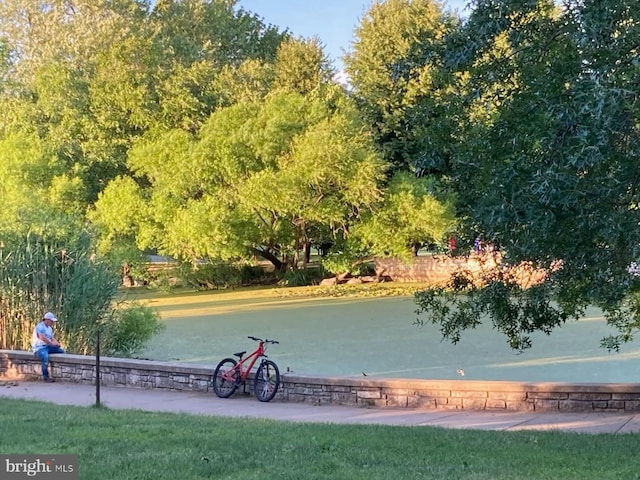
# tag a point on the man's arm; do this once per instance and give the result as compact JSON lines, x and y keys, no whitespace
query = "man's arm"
{"x":48,"y":341}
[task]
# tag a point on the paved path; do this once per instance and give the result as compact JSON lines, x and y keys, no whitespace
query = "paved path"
{"x":209,"y":404}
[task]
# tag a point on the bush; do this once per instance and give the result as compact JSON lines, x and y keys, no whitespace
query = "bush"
{"x":62,"y":275}
{"x":129,"y":329}
{"x":301,"y":277}
{"x":39,"y":274}
{"x":214,"y":276}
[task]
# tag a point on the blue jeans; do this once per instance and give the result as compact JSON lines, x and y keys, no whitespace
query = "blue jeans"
{"x":43,"y":355}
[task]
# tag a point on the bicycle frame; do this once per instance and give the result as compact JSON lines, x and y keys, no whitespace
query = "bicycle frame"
{"x":231,"y":373}
{"x":239,"y":373}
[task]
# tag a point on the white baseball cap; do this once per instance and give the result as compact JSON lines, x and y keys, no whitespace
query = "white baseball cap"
{"x":50,"y":316}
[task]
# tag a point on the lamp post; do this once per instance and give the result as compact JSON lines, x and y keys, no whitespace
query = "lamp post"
{"x":98,"y":366}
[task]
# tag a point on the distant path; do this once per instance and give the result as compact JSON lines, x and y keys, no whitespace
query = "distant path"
{"x":377,"y":336}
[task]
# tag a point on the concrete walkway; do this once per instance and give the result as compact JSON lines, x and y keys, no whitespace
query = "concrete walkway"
{"x":209,"y":404}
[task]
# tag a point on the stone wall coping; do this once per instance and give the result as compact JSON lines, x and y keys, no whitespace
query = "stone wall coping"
{"x":464,"y":385}
{"x":128,"y":363}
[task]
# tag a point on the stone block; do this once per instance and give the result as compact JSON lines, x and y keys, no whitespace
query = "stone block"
{"x":625,"y":396}
{"x":468,"y":394}
{"x":611,"y":405}
{"x":303,"y":390}
{"x":371,"y":394}
{"x":396,"y":401}
{"x":632,"y":406}
{"x":541,"y":404}
{"x":343,"y":398}
{"x":474,"y":403}
{"x":421,"y":402}
{"x":495,"y":404}
{"x":508,"y":396}
{"x":433,"y":393}
{"x":575,"y":405}
{"x":398,"y":391}
{"x":341,"y":389}
{"x":180,"y":379}
{"x":547,"y":396}
{"x":366,"y":402}
{"x":296,"y":397}
{"x":589,"y":397}
{"x":164,"y":382}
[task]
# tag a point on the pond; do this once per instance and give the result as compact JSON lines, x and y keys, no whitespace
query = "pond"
{"x":377,"y":337}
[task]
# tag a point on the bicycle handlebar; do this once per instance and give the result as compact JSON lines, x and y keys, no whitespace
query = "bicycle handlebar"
{"x":261,"y":340}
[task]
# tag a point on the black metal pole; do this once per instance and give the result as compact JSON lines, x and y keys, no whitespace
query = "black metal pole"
{"x":98,"y":367}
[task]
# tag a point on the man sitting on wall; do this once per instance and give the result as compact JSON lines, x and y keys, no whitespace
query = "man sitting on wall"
{"x":44,"y":343}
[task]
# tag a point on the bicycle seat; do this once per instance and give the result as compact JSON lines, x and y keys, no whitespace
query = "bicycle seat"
{"x":240,"y":354}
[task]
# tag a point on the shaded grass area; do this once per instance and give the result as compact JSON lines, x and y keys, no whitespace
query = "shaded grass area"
{"x":123,"y":445}
{"x":365,"y":290}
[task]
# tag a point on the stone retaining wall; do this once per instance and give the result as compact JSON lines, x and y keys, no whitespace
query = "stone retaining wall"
{"x":438,"y":269}
{"x":358,"y":391}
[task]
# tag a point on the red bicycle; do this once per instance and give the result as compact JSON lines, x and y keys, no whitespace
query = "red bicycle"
{"x":231,"y":373}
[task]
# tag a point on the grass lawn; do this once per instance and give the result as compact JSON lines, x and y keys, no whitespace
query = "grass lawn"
{"x":124,"y":445}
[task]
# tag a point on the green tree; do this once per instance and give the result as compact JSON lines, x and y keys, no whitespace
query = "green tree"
{"x":258,"y":179}
{"x":88,"y":78}
{"x":550,"y":164}
{"x":411,"y":215}
{"x":397,"y":74}
{"x":37,"y":194}
{"x":302,"y":66}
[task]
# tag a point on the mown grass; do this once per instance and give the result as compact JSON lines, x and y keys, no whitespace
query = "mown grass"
{"x":364,"y":290}
{"x":124,"y":445}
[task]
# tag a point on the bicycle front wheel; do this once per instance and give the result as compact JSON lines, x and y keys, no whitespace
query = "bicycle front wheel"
{"x":224,"y":387}
{"x":267,"y":381}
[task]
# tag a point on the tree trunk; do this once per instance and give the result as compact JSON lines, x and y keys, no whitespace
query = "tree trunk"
{"x":307,"y":254}
{"x":270,"y":257}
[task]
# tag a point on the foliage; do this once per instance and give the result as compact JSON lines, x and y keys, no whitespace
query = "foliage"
{"x":399,"y":79}
{"x":219,"y":275}
{"x":86,"y":80}
{"x":515,"y":312}
{"x":129,"y":329}
{"x":259,"y":179}
{"x":302,"y":66}
{"x":548,"y":167}
{"x":411,"y":214}
{"x":39,"y":274}
{"x":301,"y":277}
{"x":346,"y":258}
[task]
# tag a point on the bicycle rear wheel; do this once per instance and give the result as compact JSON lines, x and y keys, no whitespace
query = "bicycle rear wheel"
{"x":224,"y":388}
{"x":267,"y":381}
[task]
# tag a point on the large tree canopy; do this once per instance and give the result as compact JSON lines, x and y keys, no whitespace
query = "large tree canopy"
{"x":549,"y":163}
{"x":259,"y":178}
{"x":87,"y":77}
{"x":397,"y":76}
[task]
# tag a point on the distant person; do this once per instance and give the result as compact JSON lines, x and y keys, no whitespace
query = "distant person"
{"x":452,"y":245}
{"x":44,"y":343}
{"x":477,"y":245}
